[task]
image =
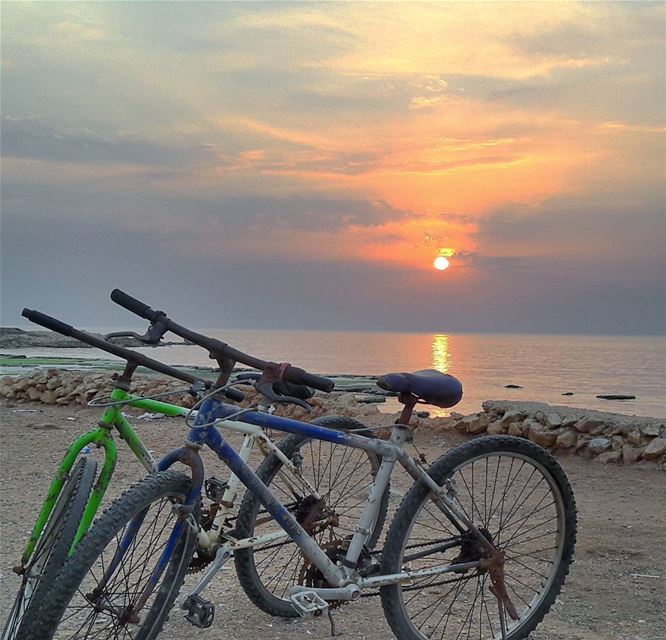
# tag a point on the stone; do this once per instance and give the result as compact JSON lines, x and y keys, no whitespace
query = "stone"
{"x":635,"y":437}
{"x":586,"y":424}
{"x":568,"y":393}
{"x":616,"y":396}
{"x":654,"y":449}
{"x":34,"y":393}
{"x":631,"y":454}
{"x":517,"y":429}
{"x":567,"y":439}
{"x":553,"y":420}
{"x":512,"y":386}
{"x":537,"y":434}
{"x":653,"y":430}
{"x":475,"y":424}
{"x":48,"y":397}
{"x":599,"y":445}
{"x":496,"y":428}
{"x":609,"y":457}
{"x":512,"y":416}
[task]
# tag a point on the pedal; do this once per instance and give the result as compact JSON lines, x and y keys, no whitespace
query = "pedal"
{"x":200,"y":612}
{"x":309,"y":604}
{"x":215,"y":489}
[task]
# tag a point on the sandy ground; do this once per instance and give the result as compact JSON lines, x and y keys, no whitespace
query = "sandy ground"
{"x":616,"y":589}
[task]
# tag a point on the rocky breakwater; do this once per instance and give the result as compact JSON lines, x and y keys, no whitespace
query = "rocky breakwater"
{"x":609,"y":438}
{"x":59,"y":386}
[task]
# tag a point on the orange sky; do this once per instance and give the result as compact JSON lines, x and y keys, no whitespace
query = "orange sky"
{"x":345,"y":133}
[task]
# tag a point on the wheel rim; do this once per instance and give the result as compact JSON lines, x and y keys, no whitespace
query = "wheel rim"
{"x":342,"y":476}
{"x":525,"y":518}
{"x":105,"y":600}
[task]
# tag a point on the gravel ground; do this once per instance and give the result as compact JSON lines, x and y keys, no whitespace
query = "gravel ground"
{"x":616,"y":589}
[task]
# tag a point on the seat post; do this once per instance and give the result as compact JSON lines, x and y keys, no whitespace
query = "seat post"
{"x":409,"y":400}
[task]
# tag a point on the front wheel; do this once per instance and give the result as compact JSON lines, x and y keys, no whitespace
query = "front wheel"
{"x":127,"y":571}
{"x":520,"y":499}
{"x":52,"y":548}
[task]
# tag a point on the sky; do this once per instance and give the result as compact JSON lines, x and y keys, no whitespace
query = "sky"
{"x":301,"y":165}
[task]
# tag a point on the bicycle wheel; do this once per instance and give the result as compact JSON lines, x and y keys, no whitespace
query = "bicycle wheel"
{"x":52,"y":548}
{"x":126,"y":573}
{"x":520,"y":498}
{"x":342,"y":476}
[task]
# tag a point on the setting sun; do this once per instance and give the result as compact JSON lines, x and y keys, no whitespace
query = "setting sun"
{"x":441,"y":263}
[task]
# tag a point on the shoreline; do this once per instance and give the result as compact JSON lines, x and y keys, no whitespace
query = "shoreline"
{"x":609,"y":438}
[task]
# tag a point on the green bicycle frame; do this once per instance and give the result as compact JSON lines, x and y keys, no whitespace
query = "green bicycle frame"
{"x":101,"y":437}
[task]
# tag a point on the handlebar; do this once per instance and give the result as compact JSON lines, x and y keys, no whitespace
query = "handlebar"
{"x":218,"y":349}
{"x":127,"y":354}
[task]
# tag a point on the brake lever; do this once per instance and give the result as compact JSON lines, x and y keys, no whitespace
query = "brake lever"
{"x":265,"y":388}
{"x":145,"y":338}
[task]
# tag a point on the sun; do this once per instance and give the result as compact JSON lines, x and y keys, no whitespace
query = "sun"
{"x":441,"y":263}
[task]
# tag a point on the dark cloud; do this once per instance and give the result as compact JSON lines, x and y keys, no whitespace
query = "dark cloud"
{"x":34,"y":139}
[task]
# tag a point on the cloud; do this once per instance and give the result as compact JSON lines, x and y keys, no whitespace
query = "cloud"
{"x":30,"y":138}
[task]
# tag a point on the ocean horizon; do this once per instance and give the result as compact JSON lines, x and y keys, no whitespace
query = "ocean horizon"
{"x":544,"y":366}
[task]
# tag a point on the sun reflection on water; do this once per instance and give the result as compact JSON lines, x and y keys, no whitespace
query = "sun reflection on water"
{"x":441,"y":356}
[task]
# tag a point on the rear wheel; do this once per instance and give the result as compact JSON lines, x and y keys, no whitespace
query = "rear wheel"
{"x":342,"y":476}
{"x":520,"y":499}
{"x":52,"y":548}
{"x":126,"y":573}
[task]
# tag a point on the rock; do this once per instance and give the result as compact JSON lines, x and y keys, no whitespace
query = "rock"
{"x":475,"y":423}
{"x":517,"y":429}
{"x":655,"y":449}
{"x":368,"y":399}
{"x":599,"y":445}
{"x":616,"y":396}
{"x":512,"y":416}
{"x":496,"y":428}
{"x":581,"y":443}
{"x":631,"y":454}
{"x":610,"y":457}
{"x":423,"y":414}
{"x":653,"y":430}
{"x":553,"y":420}
{"x":635,"y":437}
{"x":584,"y":425}
{"x":537,"y":434}
{"x":512,"y":386}
{"x":568,"y":393}
{"x":567,"y":439}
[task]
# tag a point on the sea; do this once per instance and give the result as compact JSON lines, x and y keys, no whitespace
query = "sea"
{"x":545,"y":367}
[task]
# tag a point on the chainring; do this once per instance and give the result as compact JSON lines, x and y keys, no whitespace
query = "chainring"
{"x":311,"y":576}
{"x":203,"y":557}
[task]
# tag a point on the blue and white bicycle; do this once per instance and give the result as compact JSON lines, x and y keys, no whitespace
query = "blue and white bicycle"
{"x":479,"y":547}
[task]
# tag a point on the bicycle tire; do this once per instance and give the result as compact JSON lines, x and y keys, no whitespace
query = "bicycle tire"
{"x":275,"y":601}
{"x":52,"y":548}
{"x":406,"y":614}
{"x":64,"y":607}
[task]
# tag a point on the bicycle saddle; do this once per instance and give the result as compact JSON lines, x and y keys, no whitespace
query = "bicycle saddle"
{"x":430,"y":386}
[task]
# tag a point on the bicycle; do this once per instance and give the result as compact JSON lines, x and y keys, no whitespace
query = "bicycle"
{"x":515,"y":539}
{"x":74,"y":496}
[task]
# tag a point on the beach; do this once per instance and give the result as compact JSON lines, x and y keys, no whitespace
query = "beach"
{"x":615,"y":589}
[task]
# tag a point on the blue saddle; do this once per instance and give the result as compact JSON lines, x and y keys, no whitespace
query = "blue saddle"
{"x":430,"y":386}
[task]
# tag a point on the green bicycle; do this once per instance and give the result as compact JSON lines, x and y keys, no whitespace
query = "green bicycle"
{"x":77,"y":490}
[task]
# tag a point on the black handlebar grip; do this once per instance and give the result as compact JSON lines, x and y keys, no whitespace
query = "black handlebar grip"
{"x":299,"y":376}
{"x":234,"y":394}
{"x":47,"y":321}
{"x":133,"y":305}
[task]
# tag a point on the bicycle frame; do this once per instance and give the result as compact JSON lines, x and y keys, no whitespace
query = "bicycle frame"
{"x":347,"y":584}
{"x":102,"y":437}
